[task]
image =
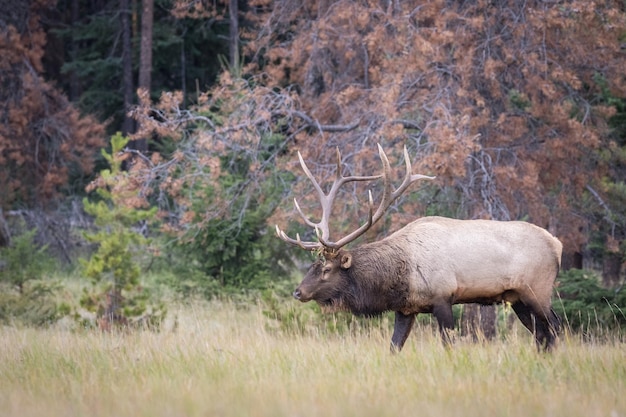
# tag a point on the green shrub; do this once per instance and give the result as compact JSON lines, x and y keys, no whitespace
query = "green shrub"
{"x":291,"y":317}
{"x":586,"y":306}
{"x":25,"y":296}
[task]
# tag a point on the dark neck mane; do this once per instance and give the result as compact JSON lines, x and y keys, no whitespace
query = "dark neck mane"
{"x":378,"y":279}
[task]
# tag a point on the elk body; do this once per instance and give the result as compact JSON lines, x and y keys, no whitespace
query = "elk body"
{"x":431,"y":264}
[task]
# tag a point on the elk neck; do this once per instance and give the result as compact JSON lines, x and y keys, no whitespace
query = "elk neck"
{"x":378,"y":279}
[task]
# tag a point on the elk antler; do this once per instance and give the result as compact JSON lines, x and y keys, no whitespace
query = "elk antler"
{"x":326,"y":200}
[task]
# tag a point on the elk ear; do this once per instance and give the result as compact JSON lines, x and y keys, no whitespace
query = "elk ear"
{"x":346,"y":261}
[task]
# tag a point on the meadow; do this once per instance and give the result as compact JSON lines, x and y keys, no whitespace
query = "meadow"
{"x":221,"y":359}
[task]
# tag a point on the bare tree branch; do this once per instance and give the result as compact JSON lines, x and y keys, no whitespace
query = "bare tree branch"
{"x":325,"y":128}
{"x":609,"y":214}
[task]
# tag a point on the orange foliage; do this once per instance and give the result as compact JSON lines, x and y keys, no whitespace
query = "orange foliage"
{"x":224,"y":131}
{"x":198,"y":9}
{"x":493,"y":98}
{"x":43,"y":139}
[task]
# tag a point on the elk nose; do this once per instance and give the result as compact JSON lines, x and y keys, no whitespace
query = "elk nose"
{"x":297,"y":294}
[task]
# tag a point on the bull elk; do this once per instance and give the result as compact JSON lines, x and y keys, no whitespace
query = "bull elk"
{"x":429,"y":265}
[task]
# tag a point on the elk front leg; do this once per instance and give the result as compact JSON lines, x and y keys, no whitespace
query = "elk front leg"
{"x":401,"y":329}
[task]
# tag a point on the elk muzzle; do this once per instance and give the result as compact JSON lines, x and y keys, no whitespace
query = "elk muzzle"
{"x":302,"y":294}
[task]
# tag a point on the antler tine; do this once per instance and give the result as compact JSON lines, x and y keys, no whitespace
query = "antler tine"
{"x":341,"y":180}
{"x":304,"y":217}
{"x":338,"y":153}
{"x":322,"y":228}
{"x":389,"y":196}
{"x":326,"y":200}
{"x":409,"y":169}
{"x":352,"y":236}
{"x":310,"y":176}
{"x":309,"y":246}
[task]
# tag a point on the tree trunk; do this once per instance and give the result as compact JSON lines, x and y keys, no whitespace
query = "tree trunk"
{"x":5,"y":235}
{"x":233,"y":46}
{"x":75,"y":90}
{"x":571,"y":260}
{"x":479,"y":321}
{"x":145,"y":60}
{"x":183,"y":71}
{"x":611,"y":269}
{"x":111,"y":318}
{"x":127,"y":67}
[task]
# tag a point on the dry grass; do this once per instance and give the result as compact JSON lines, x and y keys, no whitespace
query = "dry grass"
{"x":223,"y":361}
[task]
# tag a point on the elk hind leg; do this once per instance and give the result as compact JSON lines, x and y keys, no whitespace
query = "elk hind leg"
{"x":445,"y":319}
{"x":543,"y":325}
{"x":525,"y":315}
{"x":551,"y":326}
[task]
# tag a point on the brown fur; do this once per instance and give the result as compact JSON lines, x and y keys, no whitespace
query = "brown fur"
{"x":435,"y":262}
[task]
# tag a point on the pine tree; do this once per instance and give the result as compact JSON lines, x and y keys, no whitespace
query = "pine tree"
{"x":117,"y":296}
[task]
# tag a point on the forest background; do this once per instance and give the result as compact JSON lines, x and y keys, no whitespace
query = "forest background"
{"x":518,"y":109}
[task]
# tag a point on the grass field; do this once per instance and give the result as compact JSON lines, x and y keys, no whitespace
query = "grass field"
{"x":224,"y":361}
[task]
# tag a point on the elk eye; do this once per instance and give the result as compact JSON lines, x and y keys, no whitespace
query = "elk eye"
{"x":325,"y":272}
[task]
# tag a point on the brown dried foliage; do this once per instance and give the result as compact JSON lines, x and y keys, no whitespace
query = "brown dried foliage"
{"x":42,"y":137}
{"x":230,"y":124}
{"x":496,"y":99}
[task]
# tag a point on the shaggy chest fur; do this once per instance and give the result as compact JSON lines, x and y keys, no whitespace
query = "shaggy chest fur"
{"x":376,"y":287}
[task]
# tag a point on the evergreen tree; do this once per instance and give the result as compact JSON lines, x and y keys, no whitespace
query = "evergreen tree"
{"x":117,"y":296}
{"x":185,"y":54}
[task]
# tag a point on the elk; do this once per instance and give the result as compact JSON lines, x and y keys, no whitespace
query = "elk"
{"x":429,"y":265}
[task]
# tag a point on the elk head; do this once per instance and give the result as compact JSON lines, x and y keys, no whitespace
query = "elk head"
{"x":327,"y":280}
